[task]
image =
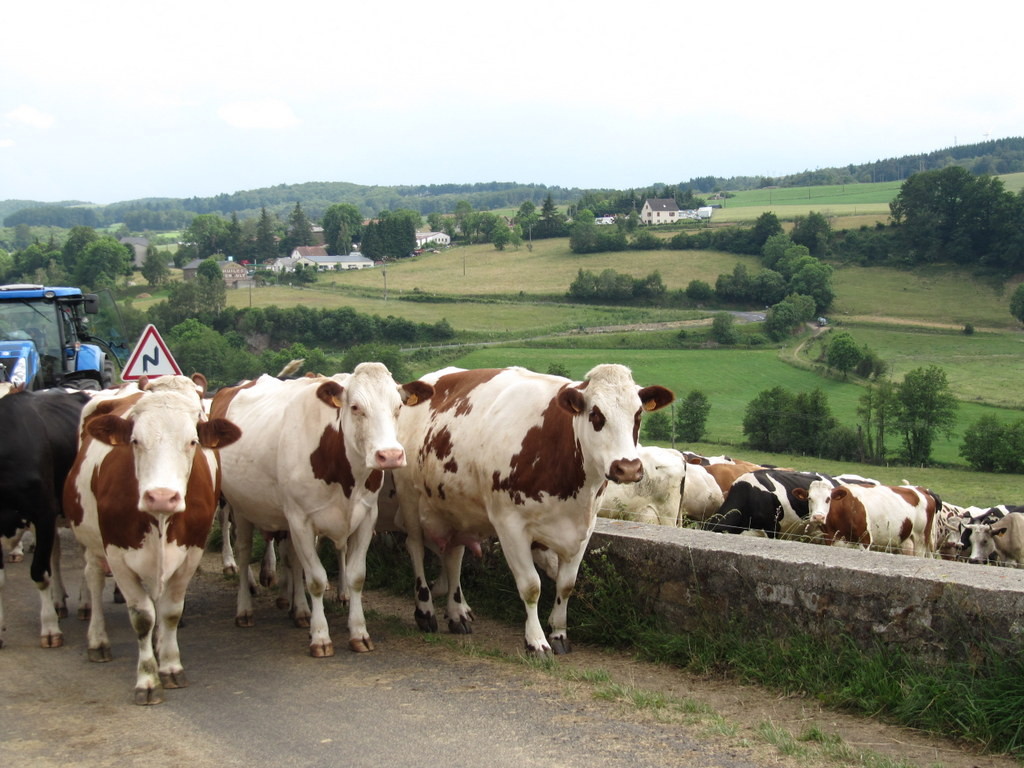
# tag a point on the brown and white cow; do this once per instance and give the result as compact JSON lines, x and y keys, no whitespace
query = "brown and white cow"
{"x":524,"y":456}
{"x":882,"y":517}
{"x":142,"y":495}
{"x":311,"y":461}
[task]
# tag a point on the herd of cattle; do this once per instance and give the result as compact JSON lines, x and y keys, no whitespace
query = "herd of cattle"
{"x":734,"y":496}
{"x":452,"y":459}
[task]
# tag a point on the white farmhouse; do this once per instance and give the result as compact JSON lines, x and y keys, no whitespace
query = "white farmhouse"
{"x":658,"y":210}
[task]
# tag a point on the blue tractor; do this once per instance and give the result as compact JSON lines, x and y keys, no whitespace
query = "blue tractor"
{"x":45,"y":339}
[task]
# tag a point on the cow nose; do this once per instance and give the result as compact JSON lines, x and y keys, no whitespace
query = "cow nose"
{"x":162,"y":500}
{"x":626,"y":471}
{"x":390,"y":458}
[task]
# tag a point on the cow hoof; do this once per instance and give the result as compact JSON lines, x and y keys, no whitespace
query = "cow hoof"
{"x":51,"y":641}
{"x":321,"y":650}
{"x":560,"y":645}
{"x":427,"y":622}
{"x":268,"y":581}
{"x":283,"y":603}
{"x":544,"y":652}
{"x":360,"y":645}
{"x":145,"y":697}
{"x":100,"y":654}
{"x":230,"y":570}
{"x":12,"y":558}
{"x":244,"y":620}
{"x":62,"y":611}
{"x":302,"y":622}
{"x":460,"y":627}
{"x":84,"y":613}
{"x":173,"y":679}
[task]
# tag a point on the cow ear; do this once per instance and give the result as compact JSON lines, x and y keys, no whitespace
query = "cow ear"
{"x":800,"y":493}
{"x":330,"y":393}
{"x":415,"y":392}
{"x":840,"y":493}
{"x":109,"y":429}
{"x":571,"y":399}
{"x":201,"y":383}
{"x":655,"y":397}
{"x":218,"y":433}
{"x":999,"y":531}
{"x":142,"y":383}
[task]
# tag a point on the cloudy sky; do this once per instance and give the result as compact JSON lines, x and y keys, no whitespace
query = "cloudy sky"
{"x":119,"y":100}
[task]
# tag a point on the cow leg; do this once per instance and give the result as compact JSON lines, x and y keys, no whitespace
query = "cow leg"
{"x":303,"y":548}
{"x":229,"y":565}
{"x":142,"y":614}
{"x":16,"y":546}
{"x":292,"y":594}
{"x":243,"y":604}
{"x":59,"y":593}
{"x":565,"y":582}
{"x":355,"y":575}
{"x":169,"y":609}
{"x":517,"y":549}
{"x":3,"y":581}
{"x":424,"y":614}
{"x":95,"y":577}
{"x":50,"y":635}
{"x":342,"y":595}
{"x":457,"y":610}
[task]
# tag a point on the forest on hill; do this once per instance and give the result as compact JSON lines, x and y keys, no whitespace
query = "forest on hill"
{"x":998,"y":156}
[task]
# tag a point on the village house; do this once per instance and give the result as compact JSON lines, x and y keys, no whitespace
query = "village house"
{"x":235,"y":275}
{"x":659,"y":211}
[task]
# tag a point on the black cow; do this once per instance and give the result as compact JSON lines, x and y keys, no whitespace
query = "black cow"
{"x":40,"y":440}
{"x":763,"y":500}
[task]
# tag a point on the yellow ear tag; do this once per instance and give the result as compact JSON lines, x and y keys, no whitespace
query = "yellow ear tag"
{"x":412,"y":400}
{"x":650,"y":405}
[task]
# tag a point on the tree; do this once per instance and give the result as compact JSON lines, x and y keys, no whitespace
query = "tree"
{"x":766,"y":226}
{"x":814,"y":232}
{"x":878,"y":408}
{"x":992,"y":446}
{"x":102,"y":262}
{"x":208,"y":234}
{"x":1017,"y":303}
{"x":266,"y":237}
{"x":341,"y":222}
{"x":154,"y":268}
{"x":763,"y":426}
{"x":300,"y":230}
{"x":699,"y":291}
{"x":843,"y":354}
{"x":657,"y":426}
{"x":927,"y":408}
{"x":723,"y":328}
{"x":814,"y":279}
{"x":692,"y":416}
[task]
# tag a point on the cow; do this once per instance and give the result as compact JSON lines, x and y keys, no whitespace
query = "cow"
{"x":522,"y":456}
{"x":974,"y":541}
{"x":311,"y":462}
{"x":889,"y":518}
{"x":764,"y":500}
{"x":657,"y":498}
{"x":141,"y":496}
{"x":39,"y":445}
{"x":1005,"y":537}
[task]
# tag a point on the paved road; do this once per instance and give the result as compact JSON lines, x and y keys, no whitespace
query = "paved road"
{"x":257,"y":699}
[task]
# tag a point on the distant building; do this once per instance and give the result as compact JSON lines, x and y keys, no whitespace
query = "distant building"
{"x":139,"y":246}
{"x":235,"y":275}
{"x":659,"y":211}
{"x":438,"y":238}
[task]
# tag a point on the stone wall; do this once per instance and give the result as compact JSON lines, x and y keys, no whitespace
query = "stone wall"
{"x":697,"y":579}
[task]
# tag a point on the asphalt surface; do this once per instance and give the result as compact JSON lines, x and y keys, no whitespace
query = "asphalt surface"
{"x":257,"y":698}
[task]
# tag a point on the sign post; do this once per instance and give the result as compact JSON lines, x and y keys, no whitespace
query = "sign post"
{"x":151,"y":358}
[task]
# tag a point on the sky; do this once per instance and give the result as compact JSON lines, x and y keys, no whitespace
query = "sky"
{"x":119,"y":100}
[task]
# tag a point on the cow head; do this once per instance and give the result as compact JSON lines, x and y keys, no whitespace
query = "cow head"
{"x":367,"y":402}
{"x":819,"y":497}
{"x":983,"y":542}
{"x":163,"y":429}
{"x":606,"y":410}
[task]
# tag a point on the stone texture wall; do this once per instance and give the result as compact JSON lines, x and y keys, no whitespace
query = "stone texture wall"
{"x":697,"y":579}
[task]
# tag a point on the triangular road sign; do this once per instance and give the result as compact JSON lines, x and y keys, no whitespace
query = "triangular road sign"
{"x":151,"y":358}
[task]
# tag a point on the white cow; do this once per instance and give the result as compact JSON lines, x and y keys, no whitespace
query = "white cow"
{"x":142,"y":495}
{"x":524,"y":456}
{"x":1004,"y":537}
{"x":657,"y":497}
{"x":311,"y":461}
